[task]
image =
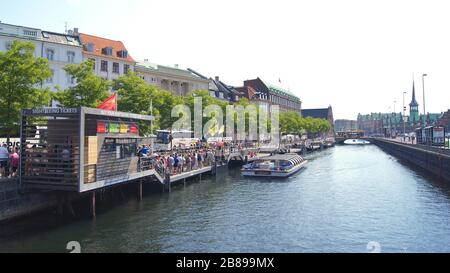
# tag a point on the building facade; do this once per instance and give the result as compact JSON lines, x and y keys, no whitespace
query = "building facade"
{"x":176,"y":80}
{"x":392,"y":124}
{"x":111,"y":58}
{"x":444,"y":121}
{"x":345,"y":125}
{"x":265,"y":94}
{"x":60,"y":50}
{"x":321,"y":113}
{"x":218,"y":89}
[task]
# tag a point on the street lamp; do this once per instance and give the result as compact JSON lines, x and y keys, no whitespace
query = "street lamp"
{"x":395,"y":122}
{"x":423,"y":87}
{"x":404,"y":118}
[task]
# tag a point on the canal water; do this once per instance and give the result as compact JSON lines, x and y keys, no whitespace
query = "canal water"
{"x":348,"y":199}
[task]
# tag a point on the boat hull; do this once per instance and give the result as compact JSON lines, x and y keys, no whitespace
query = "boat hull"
{"x":356,"y":142}
{"x":276,"y":174}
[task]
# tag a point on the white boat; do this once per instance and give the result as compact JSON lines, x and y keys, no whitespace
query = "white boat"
{"x":356,"y":142}
{"x":280,"y":165}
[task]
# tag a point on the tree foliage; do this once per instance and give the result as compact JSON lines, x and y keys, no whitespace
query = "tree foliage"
{"x":90,"y":90}
{"x":292,"y":123}
{"x":21,"y":78}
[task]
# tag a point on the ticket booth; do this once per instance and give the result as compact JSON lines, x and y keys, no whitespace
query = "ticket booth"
{"x":80,"y":149}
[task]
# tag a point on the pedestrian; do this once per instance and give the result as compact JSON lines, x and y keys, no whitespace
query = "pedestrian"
{"x":171,"y":164}
{"x":4,"y":156}
{"x":176,"y":163}
{"x":188,"y":162}
{"x":15,"y":160}
{"x":199,"y":159}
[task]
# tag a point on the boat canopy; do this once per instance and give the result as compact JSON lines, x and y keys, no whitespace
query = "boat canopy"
{"x":294,"y":159}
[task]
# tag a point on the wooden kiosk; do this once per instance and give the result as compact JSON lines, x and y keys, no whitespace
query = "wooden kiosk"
{"x":79,"y":149}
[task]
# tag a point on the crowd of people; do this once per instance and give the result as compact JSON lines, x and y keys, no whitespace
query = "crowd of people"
{"x":9,"y":161}
{"x":176,"y":161}
{"x":180,"y":160}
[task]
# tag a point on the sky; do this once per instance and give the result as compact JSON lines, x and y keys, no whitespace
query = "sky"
{"x":357,"y":56}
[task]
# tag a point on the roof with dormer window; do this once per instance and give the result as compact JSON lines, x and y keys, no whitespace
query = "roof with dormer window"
{"x":101,"y":43}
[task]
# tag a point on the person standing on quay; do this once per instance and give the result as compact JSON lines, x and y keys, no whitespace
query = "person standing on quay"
{"x":15,"y":160}
{"x":4,"y":156}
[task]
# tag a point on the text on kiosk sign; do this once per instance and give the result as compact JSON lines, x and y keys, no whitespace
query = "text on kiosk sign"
{"x":105,"y":127}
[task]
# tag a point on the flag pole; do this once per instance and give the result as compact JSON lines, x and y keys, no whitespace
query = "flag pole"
{"x":151,"y":114}
{"x":117,"y":98}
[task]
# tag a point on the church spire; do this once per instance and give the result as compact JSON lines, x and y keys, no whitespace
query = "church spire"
{"x":413,"y":101}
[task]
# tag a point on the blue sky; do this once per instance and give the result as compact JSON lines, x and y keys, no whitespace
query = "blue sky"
{"x":358,"y":56}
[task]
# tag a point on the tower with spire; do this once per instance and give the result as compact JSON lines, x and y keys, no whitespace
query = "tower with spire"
{"x":413,"y":108}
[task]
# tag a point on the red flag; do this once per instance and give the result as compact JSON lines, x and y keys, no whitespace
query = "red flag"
{"x":109,"y":104}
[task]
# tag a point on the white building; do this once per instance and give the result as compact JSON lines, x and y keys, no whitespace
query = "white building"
{"x":111,"y":57}
{"x":176,"y":80}
{"x":59,"y":49}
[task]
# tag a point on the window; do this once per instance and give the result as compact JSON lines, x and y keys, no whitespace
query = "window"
{"x":126,"y":67}
{"x":70,"y":57}
{"x":50,"y":54}
{"x":70,"y":79}
{"x":116,"y":68}
{"x":29,"y":33}
{"x":104,"y":66}
{"x":50,"y":80}
{"x":107,"y":51}
{"x":90,"y":47}
{"x":8,"y":45}
{"x":122,"y":54}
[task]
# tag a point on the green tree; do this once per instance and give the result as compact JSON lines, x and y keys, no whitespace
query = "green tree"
{"x":292,"y":123}
{"x":136,"y":96}
{"x":163,"y":103}
{"x":20,"y":77}
{"x":90,"y":90}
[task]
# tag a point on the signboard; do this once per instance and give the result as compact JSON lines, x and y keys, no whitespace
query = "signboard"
{"x":109,"y":127}
{"x":439,"y":136}
{"x":113,"y":127}
{"x":50,"y":111}
{"x":13,"y":142}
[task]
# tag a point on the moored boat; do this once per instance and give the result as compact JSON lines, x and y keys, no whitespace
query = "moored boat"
{"x":356,"y":142}
{"x":279,"y":165}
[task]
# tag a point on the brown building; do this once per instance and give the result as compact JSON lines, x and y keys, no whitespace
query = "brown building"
{"x":322,"y":113}
{"x":266,"y":94}
{"x":444,"y":121}
{"x":345,"y":125}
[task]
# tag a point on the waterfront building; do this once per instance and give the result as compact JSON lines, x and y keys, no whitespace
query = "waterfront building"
{"x":265,"y":94}
{"x":321,"y":113}
{"x":111,"y":58}
{"x":222,"y":91}
{"x":378,"y":123}
{"x":345,"y":125}
{"x":392,"y":124}
{"x":174,"y":79}
{"x":444,"y":121}
{"x":60,"y":50}
{"x":218,"y":89}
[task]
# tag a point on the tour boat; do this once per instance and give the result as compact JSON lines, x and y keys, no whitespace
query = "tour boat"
{"x":356,"y":142}
{"x":279,"y":165}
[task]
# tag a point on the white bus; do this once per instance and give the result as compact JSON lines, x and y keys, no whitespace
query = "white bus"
{"x":180,"y":140}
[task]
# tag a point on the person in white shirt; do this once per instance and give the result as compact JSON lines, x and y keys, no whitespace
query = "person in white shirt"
{"x":4,"y":156}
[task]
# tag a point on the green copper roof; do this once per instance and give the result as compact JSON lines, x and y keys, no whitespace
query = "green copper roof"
{"x":281,"y":91}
